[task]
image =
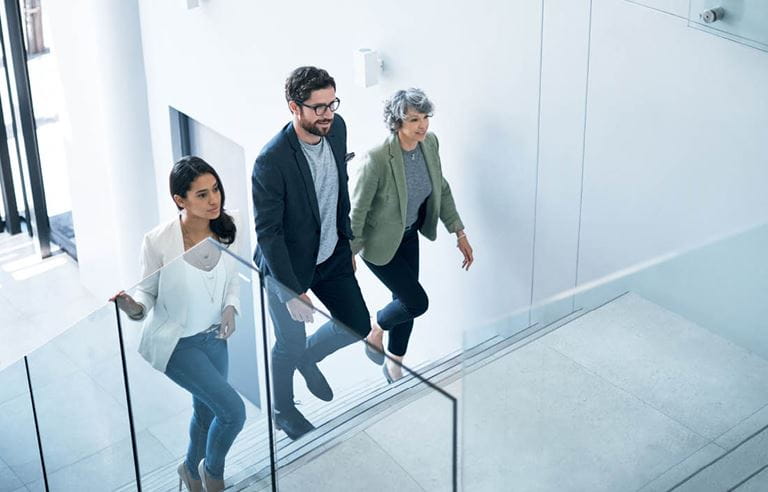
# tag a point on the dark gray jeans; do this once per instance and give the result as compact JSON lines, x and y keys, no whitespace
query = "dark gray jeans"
{"x":334,"y":283}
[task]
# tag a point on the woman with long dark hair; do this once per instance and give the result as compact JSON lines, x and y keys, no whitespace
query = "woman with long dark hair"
{"x":188,"y":308}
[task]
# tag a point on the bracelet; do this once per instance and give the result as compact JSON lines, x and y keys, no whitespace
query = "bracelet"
{"x":461,"y":235}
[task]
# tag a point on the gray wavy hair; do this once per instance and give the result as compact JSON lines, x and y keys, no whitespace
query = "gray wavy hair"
{"x":400,"y":102}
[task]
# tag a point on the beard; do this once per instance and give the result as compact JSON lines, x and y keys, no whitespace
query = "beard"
{"x":314,"y":129}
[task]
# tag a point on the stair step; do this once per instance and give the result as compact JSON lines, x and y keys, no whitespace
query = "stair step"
{"x":738,"y":469}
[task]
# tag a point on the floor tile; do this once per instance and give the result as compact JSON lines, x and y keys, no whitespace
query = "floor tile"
{"x":419,"y":437}
{"x":109,"y":468}
{"x":13,"y":382}
{"x":37,"y":486}
{"x":18,"y":446}
{"x":758,"y":483}
{"x":83,"y":331}
{"x":535,"y":420}
{"x":731,"y":469}
{"x":49,"y":292}
{"x":744,"y":429}
{"x":43,"y":304}
{"x":8,"y":480}
{"x":48,"y":365}
{"x":30,"y":473}
{"x":154,"y":397}
{"x":682,"y":470}
{"x":8,"y":313}
{"x":696,"y":377}
{"x":356,"y":464}
{"x":173,"y":432}
{"x":21,"y":336}
{"x":77,"y":419}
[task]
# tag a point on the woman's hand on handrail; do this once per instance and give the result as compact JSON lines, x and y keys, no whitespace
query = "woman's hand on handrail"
{"x":128,"y":305}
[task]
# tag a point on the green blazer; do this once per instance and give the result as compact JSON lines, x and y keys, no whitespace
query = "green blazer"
{"x":380,"y":198}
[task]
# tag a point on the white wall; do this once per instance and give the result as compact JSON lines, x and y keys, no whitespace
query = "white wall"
{"x":677,"y":121}
{"x":673,"y":122}
{"x":98,"y":48}
{"x":561,"y":145}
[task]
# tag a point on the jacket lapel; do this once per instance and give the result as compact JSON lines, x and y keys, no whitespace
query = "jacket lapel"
{"x":398,"y":171}
{"x":338,"y":153}
{"x":306,"y":174}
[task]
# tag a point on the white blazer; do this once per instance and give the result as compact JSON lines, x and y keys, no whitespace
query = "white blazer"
{"x":163,"y":289}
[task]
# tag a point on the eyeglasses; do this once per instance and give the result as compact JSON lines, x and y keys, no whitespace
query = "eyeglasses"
{"x":320,"y":109}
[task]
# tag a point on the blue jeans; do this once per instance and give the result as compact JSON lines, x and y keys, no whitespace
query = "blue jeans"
{"x":199,"y":364}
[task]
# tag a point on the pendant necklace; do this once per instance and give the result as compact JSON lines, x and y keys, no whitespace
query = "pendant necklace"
{"x":206,"y":280}
{"x":205,"y":254}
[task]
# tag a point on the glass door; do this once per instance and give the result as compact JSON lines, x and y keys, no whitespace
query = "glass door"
{"x":49,"y":119}
{"x":33,"y":159}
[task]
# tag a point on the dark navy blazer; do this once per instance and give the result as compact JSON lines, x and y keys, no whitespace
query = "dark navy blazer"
{"x":285,"y":206}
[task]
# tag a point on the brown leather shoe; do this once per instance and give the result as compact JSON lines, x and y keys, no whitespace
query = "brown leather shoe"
{"x":185,"y":477}
{"x":210,"y":484}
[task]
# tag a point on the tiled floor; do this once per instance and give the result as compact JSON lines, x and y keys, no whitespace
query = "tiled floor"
{"x":628,"y":397}
{"x":38,"y":298}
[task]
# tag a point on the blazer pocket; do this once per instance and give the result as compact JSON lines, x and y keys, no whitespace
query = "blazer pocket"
{"x":371,"y":221}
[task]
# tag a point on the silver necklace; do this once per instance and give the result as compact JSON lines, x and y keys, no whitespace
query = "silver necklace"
{"x":206,"y":279}
{"x":412,"y":153}
{"x":205,"y":254}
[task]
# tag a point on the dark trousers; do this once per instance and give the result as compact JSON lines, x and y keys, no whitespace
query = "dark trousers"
{"x":199,"y":364}
{"x":334,"y":283}
{"x":409,"y":300}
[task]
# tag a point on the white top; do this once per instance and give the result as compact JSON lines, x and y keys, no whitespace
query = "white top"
{"x":205,"y":296}
{"x":164,"y":292}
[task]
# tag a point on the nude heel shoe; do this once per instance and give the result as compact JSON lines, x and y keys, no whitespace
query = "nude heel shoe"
{"x":210,"y":484}
{"x":185,"y":478}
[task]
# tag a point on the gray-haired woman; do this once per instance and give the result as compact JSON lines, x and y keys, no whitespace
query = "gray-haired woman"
{"x":400,"y":191}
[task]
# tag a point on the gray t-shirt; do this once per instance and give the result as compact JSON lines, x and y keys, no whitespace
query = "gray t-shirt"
{"x":417,"y":182}
{"x":325,"y":175}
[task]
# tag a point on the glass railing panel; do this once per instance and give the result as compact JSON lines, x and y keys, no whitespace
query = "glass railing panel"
{"x":658,"y":380}
{"x":195,"y":395}
{"x":399,"y":434}
{"x":717,"y":285}
{"x":690,"y":335}
{"x":81,"y":406}
{"x":20,"y":464}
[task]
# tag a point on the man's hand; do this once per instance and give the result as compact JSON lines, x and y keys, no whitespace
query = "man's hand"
{"x":301,"y":308}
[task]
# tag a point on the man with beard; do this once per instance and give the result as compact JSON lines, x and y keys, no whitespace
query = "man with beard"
{"x":301,"y":208}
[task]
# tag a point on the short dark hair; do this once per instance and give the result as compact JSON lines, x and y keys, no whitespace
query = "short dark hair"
{"x":302,"y":81}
